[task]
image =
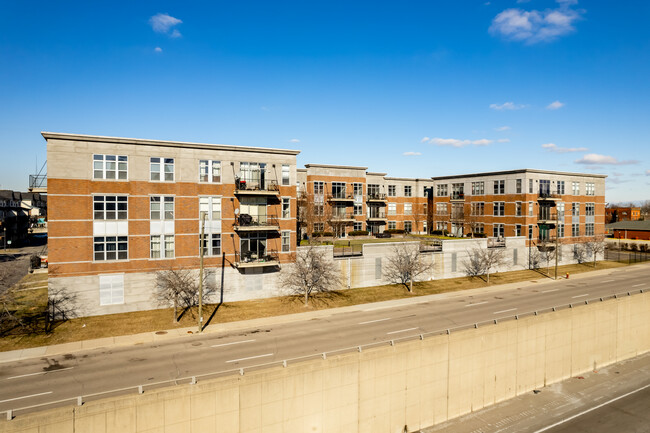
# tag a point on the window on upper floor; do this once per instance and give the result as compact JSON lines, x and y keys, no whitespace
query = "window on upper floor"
{"x":441,"y":208}
{"x":161,"y":207}
{"x":357,"y":191}
{"x":408,"y":208}
{"x":211,"y":244}
{"x":560,"y":187}
{"x":478,"y":209}
{"x":530,"y":186}
{"x":499,"y":208}
{"x":575,"y":188}
{"x":498,"y":230}
{"x":518,"y":208}
{"x":590,"y":209}
{"x":478,"y":188}
{"x":519,"y":186}
{"x":590,"y":188}
{"x":319,"y":189}
{"x":110,"y":167}
{"x":286,"y":207}
{"x":575,"y":209}
{"x":392,"y":190}
{"x":161,"y":169}
{"x":499,"y":187}
{"x":338,"y":189}
{"x":392,"y":209}
{"x":209,"y":171}
{"x":286,"y":241}
{"x":161,"y":246}
{"x":589,"y":229}
{"x":560,"y":230}
{"x":408,"y":191}
{"x":441,"y":190}
{"x":110,"y":207}
{"x":111,"y":248}
{"x":575,"y":230}
{"x":286,"y":175}
{"x":211,"y":207}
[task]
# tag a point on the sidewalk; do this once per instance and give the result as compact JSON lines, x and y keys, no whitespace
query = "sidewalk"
{"x":180,"y":333}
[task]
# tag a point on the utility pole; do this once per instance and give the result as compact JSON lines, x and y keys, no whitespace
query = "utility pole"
{"x":201,"y":243}
{"x":557,"y":229}
{"x":4,"y":236}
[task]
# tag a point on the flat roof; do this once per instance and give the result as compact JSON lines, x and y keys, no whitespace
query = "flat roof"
{"x":163,"y":143}
{"x":629,"y":225}
{"x":522,"y":170}
{"x":346,"y":167}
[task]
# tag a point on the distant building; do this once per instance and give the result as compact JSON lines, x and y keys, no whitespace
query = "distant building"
{"x":14,"y":219}
{"x":617,"y":213}
{"x":637,"y":230}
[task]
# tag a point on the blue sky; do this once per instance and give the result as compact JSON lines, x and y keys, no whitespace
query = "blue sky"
{"x":415,"y":89}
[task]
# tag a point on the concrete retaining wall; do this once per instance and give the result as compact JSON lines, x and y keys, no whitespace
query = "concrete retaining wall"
{"x":414,"y":384}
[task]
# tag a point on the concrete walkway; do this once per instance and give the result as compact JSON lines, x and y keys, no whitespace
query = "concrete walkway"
{"x":180,"y":333}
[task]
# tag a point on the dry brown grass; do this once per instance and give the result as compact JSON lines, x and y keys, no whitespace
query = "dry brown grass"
{"x":150,"y":321}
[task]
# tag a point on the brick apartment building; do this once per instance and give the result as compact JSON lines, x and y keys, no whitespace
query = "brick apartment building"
{"x":618,"y":213}
{"x":121,"y":209}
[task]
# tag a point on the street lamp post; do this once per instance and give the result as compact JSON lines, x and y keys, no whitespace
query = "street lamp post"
{"x":201,"y":243}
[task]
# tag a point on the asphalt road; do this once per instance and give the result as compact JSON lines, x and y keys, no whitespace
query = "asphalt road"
{"x":54,"y":379}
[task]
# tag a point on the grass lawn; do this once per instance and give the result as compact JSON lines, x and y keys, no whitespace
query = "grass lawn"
{"x":155,"y":320}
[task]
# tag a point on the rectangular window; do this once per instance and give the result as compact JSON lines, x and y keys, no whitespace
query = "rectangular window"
{"x":560,"y":230}
{"x":408,"y":191}
{"x":111,"y":248}
{"x":357,"y":191}
{"x":358,"y":209}
{"x":211,"y":244}
{"x":560,"y":187}
{"x":575,"y":209}
{"x":110,"y":167}
{"x":161,"y":207}
{"x":441,"y":208}
{"x":161,"y":169}
{"x":575,"y":188}
{"x":358,"y":226}
{"x":211,"y":206}
{"x":318,"y":188}
{"x":110,"y":207}
{"x":392,"y":190}
{"x":479,"y":228}
{"x":497,"y":230}
{"x":338,"y":189}
{"x":589,"y":229}
{"x":560,"y":211}
{"x":209,"y":171}
{"x":478,"y":209}
{"x":530,"y":232}
{"x":162,"y":246}
{"x":392,"y":209}
{"x":530,"y":186}
{"x":590,"y":209}
{"x":518,"y":208}
{"x":111,"y":289}
{"x":286,"y":241}
{"x":518,"y":230}
{"x":286,"y":175}
{"x":519,"y":186}
{"x":478,"y":188}
{"x":408,"y":208}
{"x":441,"y":190}
{"x":392,"y":225}
{"x":407,"y":226}
{"x":318,"y":227}
{"x":499,"y":208}
{"x":575,"y":230}
{"x":530,"y":208}
{"x":286,"y":207}
{"x":499,"y":187}
{"x":590,"y":189}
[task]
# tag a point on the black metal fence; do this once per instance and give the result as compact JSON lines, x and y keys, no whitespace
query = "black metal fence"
{"x":624,"y":256}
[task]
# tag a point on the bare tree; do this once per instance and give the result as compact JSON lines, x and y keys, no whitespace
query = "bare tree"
{"x":312,"y":272}
{"x":405,"y":264}
{"x":547,"y":255}
{"x":534,"y":258}
{"x":595,"y":245}
{"x":62,"y":305}
{"x":481,"y":261}
{"x":8,"y":318}
{"x":180,"y":289}
{"x":579,"y":253}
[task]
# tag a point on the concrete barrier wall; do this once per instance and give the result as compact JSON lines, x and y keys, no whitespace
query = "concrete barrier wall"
{"x":415,"y":384}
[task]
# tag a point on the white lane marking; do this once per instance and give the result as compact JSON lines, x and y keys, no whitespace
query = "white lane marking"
{"x":401,"y":330}
{"x":638,"y":285}
{"x":608,"y":281}
{"x":592,"y":409}
{"x":250,"y":357}
{"x":40,"y":372}
{"x":26,"y":396}
{"x":230,"y":344}
{"x":549,"y":291}
{"x":580,"y":296}
{"x":504,"y":311}
{"x":374,"y":321}
{"x":478,"y":303}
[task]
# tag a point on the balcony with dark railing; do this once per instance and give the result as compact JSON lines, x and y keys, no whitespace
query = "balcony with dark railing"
{"x":457,"y":196}
{"x":378,"y":197}
{"x":340,"y":216}
{"x":376,"y":214}
{"x":546,"y":217}
{"x":547,"y":195}
{"x":251,"y":259}
{"x":38,"y":183}
{"x":496,"y":242}
{"x":256,"y":187}
{"x":341,"y":196}
{"x":250,"y":223}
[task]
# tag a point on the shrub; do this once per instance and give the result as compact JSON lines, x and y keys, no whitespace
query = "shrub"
{"x":394,"y":231}
{"x":328,"y":234}
{"x":480,"y":235}
{"x":358,"y":233}
{"x":633,"y":247}
{"x":35,"y":261}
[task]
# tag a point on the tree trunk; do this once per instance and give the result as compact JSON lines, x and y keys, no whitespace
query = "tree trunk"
{"x":306,"y":297}
{"x":411,"y":285}
{"x":175,"y":311}
{"x":488,"y":278}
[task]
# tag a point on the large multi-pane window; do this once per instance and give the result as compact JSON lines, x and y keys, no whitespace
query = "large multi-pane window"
{"x":530,"y":186}
{"x":209,"y":171}
{"x":358,"y":209}
{"x":392,"y":225}
{"x":318,"y":188}
{"x":357,"y":191}
{"x":499,"y":208}
{"x":408,"y":226}
{"x":499,"y":187}
{"x":575,"y":230}
{"x":162,"y":246}
{"x":479,"y":228}
{"x":408,"y":191}
{"x":111,"y":248}
{"x":319,"y":227}
{"x":498,"y":230}
{"x":441,"y":208}
{"x":518,"y":208}
{"x":442,"y":190}
{"x":478,"y":209}
{"x":211,"y":207}
{"x":392,"y":209}
{"x":285,"y":174}
{"x":544,"y":187}
{"x":575,"y":209}
{"x":560,"y":187}
{"x":319,"y":210}
{"x":590,"y":188}
{"x":519,"y":187}
{"x":161,"y":207}
{"x":286,"y":207}
{"x":392,"y":190}
{"x":252,"y":246}
{"x":478,"y":188}
{"x":590,"y":209}
{"x":531,"y":207}
{"x":211,"y":244}
{"x":161,"y":169}
{"x":560,"y":230}
{"x":253,"y":174}
{"x":560,"y":211}
{"x":575,"y":188}
{"x":110,"y":207}
{"x":408,"y":208}
{"x":286,"y":241}
{"x":110,"y":167}
{"x":338,"y":189}
{"x":589,"y":229}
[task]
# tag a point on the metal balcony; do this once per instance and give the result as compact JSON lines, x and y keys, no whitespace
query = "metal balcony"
{"x":256,"y":187}
{"x":249,"y":223}
{"x":341,"y":197}
{"x":457,"y":196}
{"x":376,"y":198}
{"x":252,"y":260}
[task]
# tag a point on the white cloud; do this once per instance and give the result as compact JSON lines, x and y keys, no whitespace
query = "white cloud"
{"x":454,"y":142}
{"x":555,"y":105}
{"x":502,"y":128}
{"x":158,"y":50}
{"x":507,"y":106}
{"x":411,"y":154}
{"x":294,"y":140}
{"x":552,"y":147}
{"x":164,"y":23}
{"x":425,"y":139}
{"x":503,"y":140}
{"x":594,"y":158}
{"x":536,"y":26}
{"x":647,"y":172}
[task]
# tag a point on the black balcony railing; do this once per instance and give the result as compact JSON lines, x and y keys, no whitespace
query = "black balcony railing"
{"x":38,"y":181}
{"x":376,"y":196}
{"x":340,"y":196}
{"x":256,"y":185}
{"x":250,"y":221}
{"x":546,"y":240}
{"x":547,"y":216}
{"x":342,"y":216}
{"x":547,"y":195}
{"x":458,"y":196}
{"x":270,"y":258}
{"x":372,"y":215}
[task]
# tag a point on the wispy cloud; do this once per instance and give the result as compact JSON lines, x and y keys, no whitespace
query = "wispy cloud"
{"x":454,"y":142}
{"x":594,"y":159}
{"x":552,"y":147}
{"x":647,"y":172}
{"x":555,"y":105}
{"x":165,"y":23}
{"x":502,"y":128}
{"x":294,"y":140}
{"x":507,"y":106}
{"x":158,"y":50}
{"x":503,"y":140}
{"x":411,"y":154}
{"x":536,"y":26}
